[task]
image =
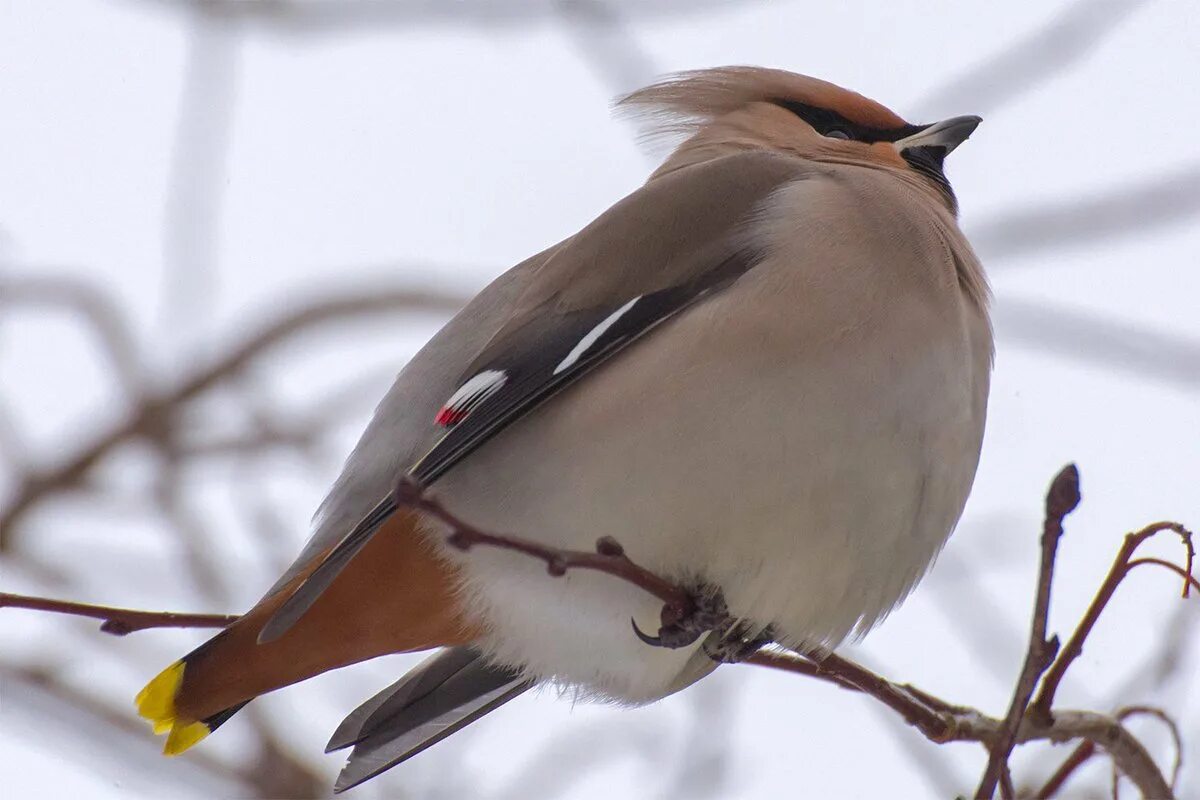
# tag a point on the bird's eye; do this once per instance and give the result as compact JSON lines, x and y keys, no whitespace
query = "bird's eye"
{"x":837,"y":133}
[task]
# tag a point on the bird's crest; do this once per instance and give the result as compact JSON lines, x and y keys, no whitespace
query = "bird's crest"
{"x":681,"y":103}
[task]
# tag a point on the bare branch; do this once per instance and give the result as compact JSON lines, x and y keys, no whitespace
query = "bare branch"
{"x":965,"y":724}
{"x":1061,"y":500}
{"x":1171,"y":726}
{"x":1189,"y":580}
{"x":1033,"y":60}
{"x":1160,"y":202}
{"x":1079,"y":756}
{"x":147,"y":417}
{"x":1081,"y":337}
{"x":1120,"y":568}
{"x":848,"y":675}
{"x":609,"y":557}
{"x":117,"y":621}
{"x":1128,"y":755}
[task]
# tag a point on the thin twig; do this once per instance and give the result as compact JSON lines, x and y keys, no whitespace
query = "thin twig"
{"x":1061,"y":500}
{"x":1007,"y":790}
{"x":117,"y":621}
{"x":1079,"y":756}
{"x":1172,"y":728}
{"x":1041,"y":707}
{"x":964,"y":724}
{"x":916,"y":711}
{"x":849,"y":675}
{"x":1189,"y":580}
{"x":609,"y":557}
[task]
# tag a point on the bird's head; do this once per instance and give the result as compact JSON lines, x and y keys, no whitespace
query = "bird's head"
{"x":732,"y":108}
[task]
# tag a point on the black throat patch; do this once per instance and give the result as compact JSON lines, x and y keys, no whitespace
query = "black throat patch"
{"x":928,"y":161}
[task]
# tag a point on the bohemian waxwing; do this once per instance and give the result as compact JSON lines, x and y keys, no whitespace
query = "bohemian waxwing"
{"x":764,"y":372}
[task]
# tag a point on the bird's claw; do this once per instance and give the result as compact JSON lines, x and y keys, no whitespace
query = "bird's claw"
{"x":728,"y":642}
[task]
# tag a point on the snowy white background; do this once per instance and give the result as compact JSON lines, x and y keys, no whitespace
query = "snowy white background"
{"x":211,"y":166}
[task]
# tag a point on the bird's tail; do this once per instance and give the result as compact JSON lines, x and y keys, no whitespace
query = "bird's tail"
{"x":397,"y":596}
{"x":156,"y":702}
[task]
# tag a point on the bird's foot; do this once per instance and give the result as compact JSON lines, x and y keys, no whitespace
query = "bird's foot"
{"x":707,"y":612}
{"x":738,"y":643}
{"x":730,"y":640}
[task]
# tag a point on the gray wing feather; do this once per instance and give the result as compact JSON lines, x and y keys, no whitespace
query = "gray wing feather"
{"x":440,"y":697}
{"x":416,"y":684}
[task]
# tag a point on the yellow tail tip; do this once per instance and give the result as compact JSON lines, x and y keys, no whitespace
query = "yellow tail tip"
{"x":156,"y":703}
{"x":183,"y":735}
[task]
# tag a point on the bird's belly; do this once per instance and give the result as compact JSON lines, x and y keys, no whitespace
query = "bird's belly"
{"x":814,"y":502}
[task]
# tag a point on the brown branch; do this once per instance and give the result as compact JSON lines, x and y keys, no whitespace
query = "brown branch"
{"x":117,"y":621}
{"x":1087,"y":749}
{"x":1079,"y":756}
{"x":1061,"y":500}
{"x":1128,"y":755}
{"x":934,"y":723}
{"x":1172,"y":729}
{"x":964,"y":724}
{"x":1041,"y":707}
{"x":609,"y":557}
{"x":1189,"y":581}
{"x":148,"y":415}
{"x":938,"y":720}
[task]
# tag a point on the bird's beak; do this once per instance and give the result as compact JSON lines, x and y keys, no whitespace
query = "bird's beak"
{"x":949,"y":133}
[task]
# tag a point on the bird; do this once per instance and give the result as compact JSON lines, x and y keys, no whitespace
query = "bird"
{"x":765,"y":372}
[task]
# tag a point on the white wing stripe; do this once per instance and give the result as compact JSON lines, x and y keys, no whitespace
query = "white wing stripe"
{"x":595,"y":333}
{"x":471,"y":394}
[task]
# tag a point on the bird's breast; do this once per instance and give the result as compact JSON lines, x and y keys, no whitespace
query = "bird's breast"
{"x":802,"y":441}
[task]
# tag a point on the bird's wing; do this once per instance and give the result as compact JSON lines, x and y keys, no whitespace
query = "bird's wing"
{"x":680,"y":238}
{"x":436,"y":699}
